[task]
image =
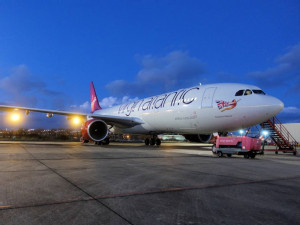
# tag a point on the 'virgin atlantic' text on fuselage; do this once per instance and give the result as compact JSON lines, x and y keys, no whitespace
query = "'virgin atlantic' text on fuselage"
{"x":160,"y":101}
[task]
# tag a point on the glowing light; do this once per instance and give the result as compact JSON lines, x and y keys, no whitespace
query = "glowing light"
{"x":76,"y":120}
{"x":241,"y":132}
{"x":15,"y":117}
{"x":265,"y":133}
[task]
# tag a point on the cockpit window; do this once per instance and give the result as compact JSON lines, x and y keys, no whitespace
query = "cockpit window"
{"x":239,"y":93}
{"x":248,"y":92}
{"x":259,"y":92}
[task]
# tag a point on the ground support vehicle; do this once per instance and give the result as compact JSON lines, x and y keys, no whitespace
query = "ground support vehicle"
{"x":247,"y":146}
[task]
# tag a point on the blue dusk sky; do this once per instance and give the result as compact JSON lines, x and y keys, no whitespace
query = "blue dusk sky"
{"x":51,"y":50}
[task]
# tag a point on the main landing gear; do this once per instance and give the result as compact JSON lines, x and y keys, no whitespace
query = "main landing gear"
{"x":153,"y":141}
{"x":104,"y":142}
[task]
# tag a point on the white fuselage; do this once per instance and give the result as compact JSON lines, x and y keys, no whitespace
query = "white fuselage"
{"x":203,"y":109}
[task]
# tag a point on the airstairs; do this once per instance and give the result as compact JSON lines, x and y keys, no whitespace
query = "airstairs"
{"x":284,"y":141}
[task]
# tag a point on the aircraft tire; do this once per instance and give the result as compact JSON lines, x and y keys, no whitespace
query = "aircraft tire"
{"x":152,"y":141}
{"x":158,"y":142}
{"x":105,"y":141}
{"x":246,"y":156}
{"x":147,"y":141}
{"x":220,"y":154}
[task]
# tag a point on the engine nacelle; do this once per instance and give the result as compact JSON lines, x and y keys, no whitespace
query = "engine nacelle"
{"x":95,"y":130}
{"x":202,"y":138}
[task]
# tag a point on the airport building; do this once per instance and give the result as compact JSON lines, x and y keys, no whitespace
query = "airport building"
{"x":294,"y":130}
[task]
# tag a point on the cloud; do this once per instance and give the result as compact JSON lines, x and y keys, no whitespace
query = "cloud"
{"x":291,"y":110}
{"x":108,"y":102}
{"x":177,"y":69}
{"x":290,"y":115}
{"x":84,"y":107}
{"x":104,"y":103}
{"x":127,"y":99}
{"x":287,"y":69}
{"x":112,"y":101}
{"x":23,"y":88}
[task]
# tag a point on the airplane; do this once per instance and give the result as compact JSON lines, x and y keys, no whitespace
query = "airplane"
{"x":196,"y":113}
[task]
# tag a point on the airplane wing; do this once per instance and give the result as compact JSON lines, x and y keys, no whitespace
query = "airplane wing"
{"x":120,"y":121}
{"x":65,"y":113}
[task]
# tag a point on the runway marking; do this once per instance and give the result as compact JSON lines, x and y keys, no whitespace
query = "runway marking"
{"x":130,"y":194}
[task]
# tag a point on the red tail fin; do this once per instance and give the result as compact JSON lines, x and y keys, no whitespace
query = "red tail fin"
{"x":94,"y":100}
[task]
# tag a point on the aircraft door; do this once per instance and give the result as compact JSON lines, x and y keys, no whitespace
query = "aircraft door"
{"x":208,"y":96}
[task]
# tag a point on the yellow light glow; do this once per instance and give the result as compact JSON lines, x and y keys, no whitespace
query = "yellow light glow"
{"x":15,"y":117}
{"x":76,"y":120}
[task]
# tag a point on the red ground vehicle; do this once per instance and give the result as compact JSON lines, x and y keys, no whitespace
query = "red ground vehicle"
{"x":247,"y":146}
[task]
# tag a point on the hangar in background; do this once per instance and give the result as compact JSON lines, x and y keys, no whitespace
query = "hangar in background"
{"x":294,"y":129}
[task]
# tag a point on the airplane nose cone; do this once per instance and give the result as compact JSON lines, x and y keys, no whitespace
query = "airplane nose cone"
{"x":275,"y":105}
{"x":280,"y":105}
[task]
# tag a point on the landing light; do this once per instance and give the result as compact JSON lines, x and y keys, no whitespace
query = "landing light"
{"x":241,"y":132}
{"x":15,"y":117}
{"x":76,"y":120}
{"x":265,"y":133}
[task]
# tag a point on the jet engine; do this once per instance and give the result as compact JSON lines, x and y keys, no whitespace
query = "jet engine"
{"x":202,"y":138}
{"x":95,"y":130}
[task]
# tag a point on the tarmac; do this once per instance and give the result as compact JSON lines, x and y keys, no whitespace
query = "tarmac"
{"x":129,"y":183}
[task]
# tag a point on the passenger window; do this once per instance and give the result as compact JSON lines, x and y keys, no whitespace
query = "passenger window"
{"x":248,"y":92}
{"x":259,"y":92}
{"x":239,"y":93}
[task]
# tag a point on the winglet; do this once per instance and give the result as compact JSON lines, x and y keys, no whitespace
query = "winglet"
{"x":94,"y":100}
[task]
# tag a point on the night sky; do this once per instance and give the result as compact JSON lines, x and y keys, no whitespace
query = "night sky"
{"x":51,"y":50}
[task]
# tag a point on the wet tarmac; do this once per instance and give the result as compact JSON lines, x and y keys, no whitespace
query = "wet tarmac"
{"x":71,"y":183}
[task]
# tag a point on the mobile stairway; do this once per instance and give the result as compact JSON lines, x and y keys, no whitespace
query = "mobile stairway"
{"x":283,"y":140}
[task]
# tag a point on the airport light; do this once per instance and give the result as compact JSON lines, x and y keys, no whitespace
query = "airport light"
{"x":76,"y":120}
{"x":15,"y":117}
{"x":241,"y":132}
{"x":265,"y":133}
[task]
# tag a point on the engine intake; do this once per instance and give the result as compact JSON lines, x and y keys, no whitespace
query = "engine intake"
{"x":95,"y":130}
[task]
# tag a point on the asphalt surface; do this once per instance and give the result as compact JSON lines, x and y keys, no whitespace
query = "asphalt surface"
{"x":68,"y":183}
